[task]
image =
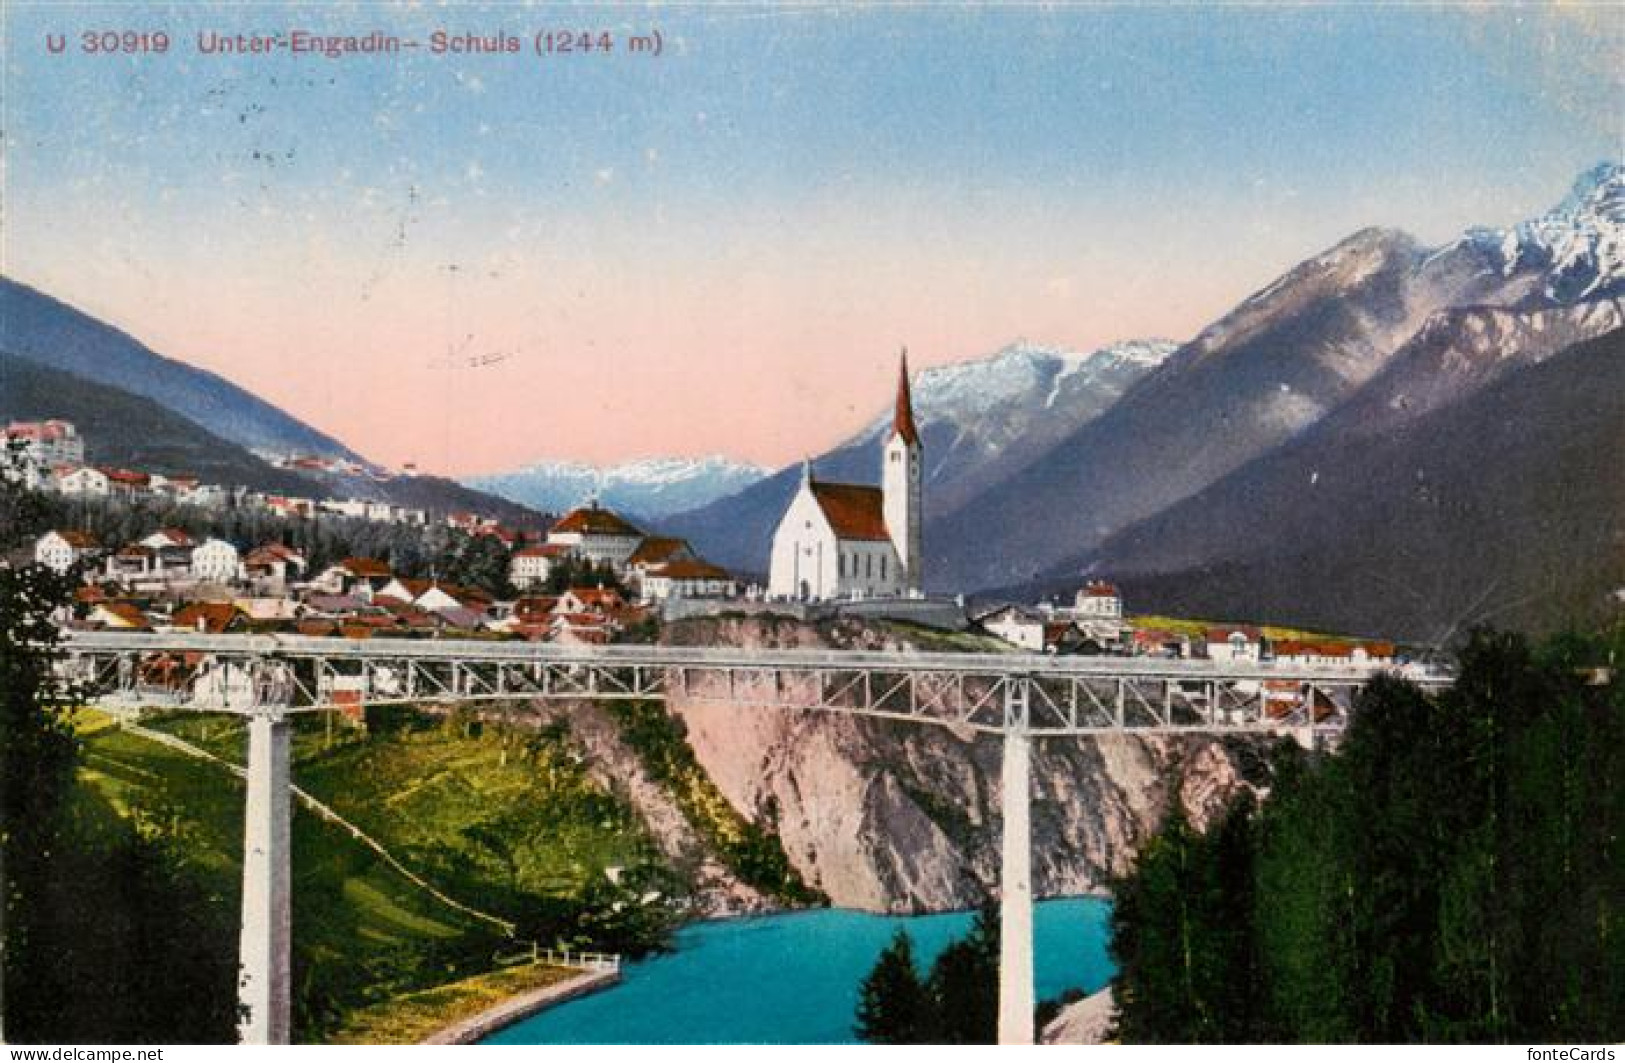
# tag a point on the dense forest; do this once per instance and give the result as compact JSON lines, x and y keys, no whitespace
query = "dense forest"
{"x":105,"y":919}
{"x":1453,"y":872}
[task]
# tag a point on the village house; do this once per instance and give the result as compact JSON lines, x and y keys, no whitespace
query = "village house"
{"x":850,"y":540}
{"x":1098,"y":599}
{"x":532,"y":565}
{"x":361,"y":576}
{"x":132,"y":562}
{"x":1332,"y":653}
{"x":126,"y":483}
{"x":216,"y":561}
{"x":46,"y":443}
{"x":1015,"y":625}
{"x":687,"y":578}
{"x":117,"y":616}
{"x":599,"y":600}
{"x":657,"y":550}
{"x":208,"y":618}
{"x":596,"y":535}
{"x":1155,"y":642}
{"x":207,"y":496}
{"x":82,"y":481}
{"x":274,"y":566}
{"x":60,"y":550}
{"x":1235,"y":645}
{"x":289,"y":506}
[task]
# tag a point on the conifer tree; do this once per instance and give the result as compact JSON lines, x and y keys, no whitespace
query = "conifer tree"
{"x":893,"y":1008}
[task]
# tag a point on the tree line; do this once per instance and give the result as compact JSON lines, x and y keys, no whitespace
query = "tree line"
{"x":1453,"y":872}
{"x":109,"y":932}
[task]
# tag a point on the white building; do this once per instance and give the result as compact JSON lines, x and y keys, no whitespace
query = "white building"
{"x":1017,"y":626}
{"x":596,"y":535}
{"x":855,"y":541}
{"x":216,"y":561}
{"x":82,"y":480}
{"x":1235,"y":644}
{"x":686,"y":578}
{"x":532,"y":565}
{"x":61,"y":550}
{"x":1098,"y":599}
{"x":47,"y":443}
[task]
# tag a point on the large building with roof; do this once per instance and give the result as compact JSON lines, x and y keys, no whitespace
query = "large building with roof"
{"x":842,"y":541}
{"x":596,"y":534}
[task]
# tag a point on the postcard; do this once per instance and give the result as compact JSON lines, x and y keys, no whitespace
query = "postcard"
{"x":812,"y":523}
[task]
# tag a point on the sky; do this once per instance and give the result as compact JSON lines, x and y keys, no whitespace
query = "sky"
{"x":470,"y":262}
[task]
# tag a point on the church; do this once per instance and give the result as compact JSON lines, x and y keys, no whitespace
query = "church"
{"x":851,"y":540}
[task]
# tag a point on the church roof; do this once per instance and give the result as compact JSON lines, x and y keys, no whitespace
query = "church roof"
{"x":853,"y":511}
{"x":903,"y":419}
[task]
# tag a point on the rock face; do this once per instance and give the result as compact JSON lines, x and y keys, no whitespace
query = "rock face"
{"x":616,"y":767}
{"x":896,"y":817}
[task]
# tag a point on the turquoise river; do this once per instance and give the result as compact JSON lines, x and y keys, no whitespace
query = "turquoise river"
{"x":793,"y":979}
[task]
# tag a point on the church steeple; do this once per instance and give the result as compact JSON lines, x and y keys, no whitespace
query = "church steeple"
{"x":900,"y":483}
{"x":903,"y":419}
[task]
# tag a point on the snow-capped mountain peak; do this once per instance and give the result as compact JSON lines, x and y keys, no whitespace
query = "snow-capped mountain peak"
{"x":1579,"y":244}
{"x":646,"y":487}
{"x":1021,"y":369}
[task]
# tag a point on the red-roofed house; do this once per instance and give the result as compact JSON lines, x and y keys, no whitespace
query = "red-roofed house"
{"x":687,"y":578}
{"x":81,"y":480}
{"x":47,"y":443}
{"x":1235,"y":644}
{"x":274,"y":564}
{"x":353,"y":575}
{"x":62,"y":549}
{"x":209,"y":618}
{"x":596,"y":534}
{"x":117,"y":616}
{"x":600,"y":600}
{"x":126,"y":483}
{"x":1097,"y":598}
{"x":851,"y":540}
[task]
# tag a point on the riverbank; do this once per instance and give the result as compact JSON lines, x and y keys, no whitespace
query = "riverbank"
{"x":465,"y":1011}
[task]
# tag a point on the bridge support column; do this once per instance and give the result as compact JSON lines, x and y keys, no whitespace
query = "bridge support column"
{"x":264,"y":949}
{"x":1016,"y":884}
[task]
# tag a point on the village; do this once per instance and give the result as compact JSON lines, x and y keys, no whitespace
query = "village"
{"x":590,"y":577}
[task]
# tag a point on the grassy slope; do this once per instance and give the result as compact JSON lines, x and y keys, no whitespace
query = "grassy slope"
{"x":527,"y":839}
{"x":410,"y":1019}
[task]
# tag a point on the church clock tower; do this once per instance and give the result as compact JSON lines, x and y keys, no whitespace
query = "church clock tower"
{"x":900,"y":480}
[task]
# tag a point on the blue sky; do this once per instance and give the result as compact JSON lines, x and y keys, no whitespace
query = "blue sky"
{"x":781,"y":198}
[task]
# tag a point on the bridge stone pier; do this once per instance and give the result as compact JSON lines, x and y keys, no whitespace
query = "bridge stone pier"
{"x":1016,"y":879}
{"x":266,"y":944}
{"x":1018,"y":697}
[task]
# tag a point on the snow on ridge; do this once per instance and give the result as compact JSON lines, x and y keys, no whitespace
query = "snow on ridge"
{"x":1579,"y":244}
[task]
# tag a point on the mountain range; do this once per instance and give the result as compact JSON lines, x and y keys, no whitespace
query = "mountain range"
{"x":1389,"y":438}
{"x":979,"y":422}
{"x":1214,"y":479}
{"x":140,"y":409}
{"x":647,"y":489}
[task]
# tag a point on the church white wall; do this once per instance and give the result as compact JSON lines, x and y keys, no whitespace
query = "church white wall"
{"x":805,"y":557}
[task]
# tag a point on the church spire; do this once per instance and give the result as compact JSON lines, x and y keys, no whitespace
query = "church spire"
{"x":903,"y":420}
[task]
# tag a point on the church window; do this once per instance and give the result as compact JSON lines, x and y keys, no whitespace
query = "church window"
{"x":869,"y":566}
{"x":882,"y":566}
{"x":841,"y":564}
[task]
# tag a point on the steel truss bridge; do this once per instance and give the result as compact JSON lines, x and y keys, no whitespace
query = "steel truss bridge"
{"x":1019,"y":697}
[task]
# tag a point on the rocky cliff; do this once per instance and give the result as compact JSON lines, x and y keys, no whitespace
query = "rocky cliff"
{"x":900,"y":817}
